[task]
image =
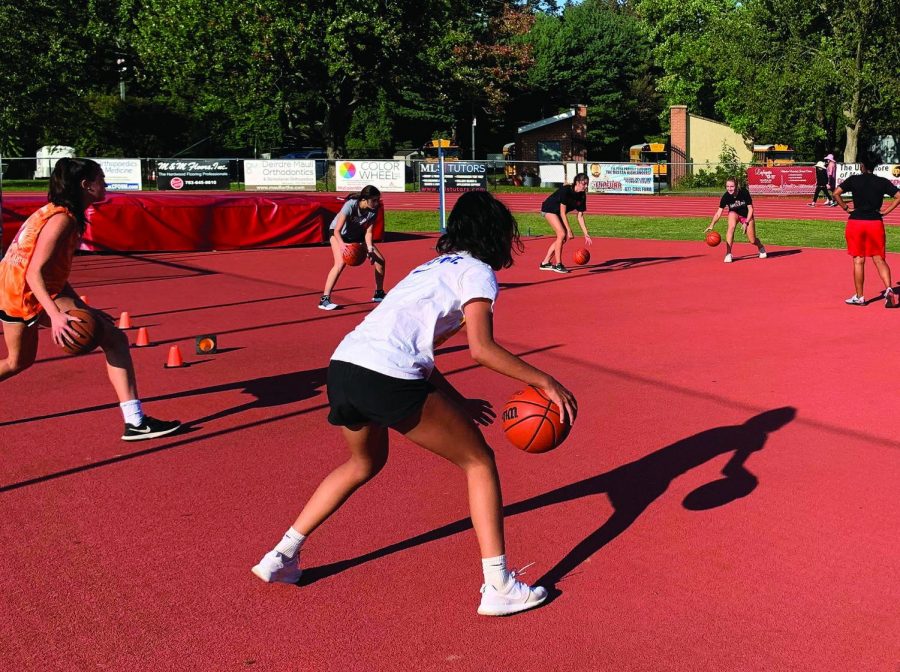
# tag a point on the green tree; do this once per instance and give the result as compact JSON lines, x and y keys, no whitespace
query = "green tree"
{"x":600,"y":56}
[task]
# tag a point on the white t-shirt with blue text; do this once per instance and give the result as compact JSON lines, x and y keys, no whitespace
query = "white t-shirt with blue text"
{"x":398,"y":338}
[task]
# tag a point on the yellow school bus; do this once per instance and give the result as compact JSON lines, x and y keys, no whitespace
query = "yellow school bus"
{"x":430,"y":150}
{"x":653,"y":153}
{"x":773,"y":155}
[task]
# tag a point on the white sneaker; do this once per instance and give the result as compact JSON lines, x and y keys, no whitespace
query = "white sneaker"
{"x":278,"y":567}
{"x":513,"y":598}
{"x":855,"y":301}
{"x":762,"y":253}
{"x":326,"y":304}
{"x":890,"y":298}
{"x":728,"y":259}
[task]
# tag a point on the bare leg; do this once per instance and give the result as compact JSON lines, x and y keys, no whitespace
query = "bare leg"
{"x":751,"y":233}
{"x":368,"y":446}
{"x":337,"y":268}
{"x":555,"y":249}
{"x":379,"y":269}
{"x":884,"y":271}
{"x":119,"y":367}
{"x":443,"y":428}
{"x":21,"y":346}
{"x":729,"y":234}
{"x":859,"y":274}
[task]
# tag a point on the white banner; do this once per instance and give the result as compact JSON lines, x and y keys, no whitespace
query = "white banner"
{"x":555,"y":173}
{"x":620,"y":178}
{"x":354,"y":175}
{"x":280,"y":175}
{"x":890,"y":171}
{"x":121,"y":174}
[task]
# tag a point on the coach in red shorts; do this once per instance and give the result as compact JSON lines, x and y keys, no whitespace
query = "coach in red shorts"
{"x":865,"y":227}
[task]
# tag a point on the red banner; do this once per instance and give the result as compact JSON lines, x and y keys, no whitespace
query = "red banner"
{"x":781,"y":180}
{"x":167,"y":222}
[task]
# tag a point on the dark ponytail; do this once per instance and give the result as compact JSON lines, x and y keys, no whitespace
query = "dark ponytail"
{"x":65,"y":185}
{"x":368,"y":191}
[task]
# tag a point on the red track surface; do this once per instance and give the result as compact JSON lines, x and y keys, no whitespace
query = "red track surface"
{"x":137,"y":557}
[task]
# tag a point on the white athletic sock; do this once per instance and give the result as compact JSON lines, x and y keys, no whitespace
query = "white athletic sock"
{"x":132,"y":412}
{"x":290,"y":543}
{"x":495,"y":572}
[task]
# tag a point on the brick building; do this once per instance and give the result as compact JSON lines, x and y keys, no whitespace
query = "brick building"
{"x":562,"y":137}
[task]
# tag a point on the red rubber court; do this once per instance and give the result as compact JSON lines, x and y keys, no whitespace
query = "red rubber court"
{"x":727,"y":499}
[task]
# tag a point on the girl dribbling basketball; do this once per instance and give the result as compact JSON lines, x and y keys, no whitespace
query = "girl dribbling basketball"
{"x":383,"y":376}
{"x":35,"y":290}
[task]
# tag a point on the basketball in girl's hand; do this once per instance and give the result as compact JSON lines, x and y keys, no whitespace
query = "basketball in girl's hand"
{"x":713,"y":238}
{"x":532,"y":422}
{"x":582,"y":257}
{"x":88,"y":333}
{"x":354,"y":254}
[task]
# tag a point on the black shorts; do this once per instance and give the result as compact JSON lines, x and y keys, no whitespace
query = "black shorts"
{"x":18,"y":320}
{"x":359,"y":396}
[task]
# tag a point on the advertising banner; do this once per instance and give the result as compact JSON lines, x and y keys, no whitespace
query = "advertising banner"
{"x":280,"y":175}
{"x":381,"y":173}
{"x":187,"y":174}
{"x":891,"y":171}
{"x":620,"y":178}
{"x":121,"y":174}
{"x":458,"y":176}
{"x":781,"y":180}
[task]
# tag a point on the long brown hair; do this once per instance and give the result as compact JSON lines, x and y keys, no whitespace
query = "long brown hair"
{"x":65,"y":185}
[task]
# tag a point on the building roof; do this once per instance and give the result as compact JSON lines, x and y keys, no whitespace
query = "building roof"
{"x":562,"y":116}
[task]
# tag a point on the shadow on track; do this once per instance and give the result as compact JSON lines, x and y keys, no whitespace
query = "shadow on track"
{"x":630,"y":488}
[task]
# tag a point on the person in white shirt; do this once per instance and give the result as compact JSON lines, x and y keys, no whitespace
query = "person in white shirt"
{"x":383,"y":375}
{"x":353,"y":224}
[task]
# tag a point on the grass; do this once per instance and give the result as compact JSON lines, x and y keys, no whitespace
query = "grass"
{"x":781,"y":232}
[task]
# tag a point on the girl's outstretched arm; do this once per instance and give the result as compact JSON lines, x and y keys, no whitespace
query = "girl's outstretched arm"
{"x":487,"y":352}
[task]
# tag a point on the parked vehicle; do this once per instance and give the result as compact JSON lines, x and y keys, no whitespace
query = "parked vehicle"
{"x":319,"y":155}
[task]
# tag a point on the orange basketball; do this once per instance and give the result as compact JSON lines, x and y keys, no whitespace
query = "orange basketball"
{"x":532,"y":422}
{"x":354,"y":254}
{"x":582,"y":257}
{"x":713,"y":238}
{"x":88,"y":332}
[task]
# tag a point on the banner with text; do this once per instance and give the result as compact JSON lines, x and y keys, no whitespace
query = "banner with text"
{"x":384,"y":174}
{"x":121,"y":174}
{"x":188,"y":174}
{"x":890,"y":171}
{"x":280,"y":175}
{"x":458,"y":176}
{"x":620,"y":178}
{"x":781,"y":179}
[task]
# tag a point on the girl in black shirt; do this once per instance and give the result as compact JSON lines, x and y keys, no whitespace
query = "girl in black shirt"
{"x":739,"y":205}
{"x":556,"y":209}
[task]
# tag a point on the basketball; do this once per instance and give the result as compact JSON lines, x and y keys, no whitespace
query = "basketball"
{"x":354,"y":254}
{"x":532,"y":422}
{"x":582,"y":257}
{"x":713,"y":238}
{"x":89,"y":332}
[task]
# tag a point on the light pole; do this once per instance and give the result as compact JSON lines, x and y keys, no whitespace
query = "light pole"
{"x":474,"y":121}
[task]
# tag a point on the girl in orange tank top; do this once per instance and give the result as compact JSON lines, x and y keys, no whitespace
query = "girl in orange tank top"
{"x":35,"y":290}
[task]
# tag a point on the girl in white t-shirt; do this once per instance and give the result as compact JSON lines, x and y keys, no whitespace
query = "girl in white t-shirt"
{"x":353,"y":224}
{"x":383,"y":375}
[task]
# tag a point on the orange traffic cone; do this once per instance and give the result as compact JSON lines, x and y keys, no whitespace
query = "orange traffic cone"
{"x":84,"y":300}
{"x":124,"y":321}
{"x":143,"y":338}
{"x":174,"y":361}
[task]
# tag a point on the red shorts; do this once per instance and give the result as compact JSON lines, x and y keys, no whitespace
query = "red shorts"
{"x":865,"y":237}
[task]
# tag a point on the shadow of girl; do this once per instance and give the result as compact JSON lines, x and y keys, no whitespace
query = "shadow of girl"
{"x":630,"y":488}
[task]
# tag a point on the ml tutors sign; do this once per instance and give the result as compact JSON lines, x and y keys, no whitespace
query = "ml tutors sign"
{"x":458,"y":176}
{"x":384,"y":174}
